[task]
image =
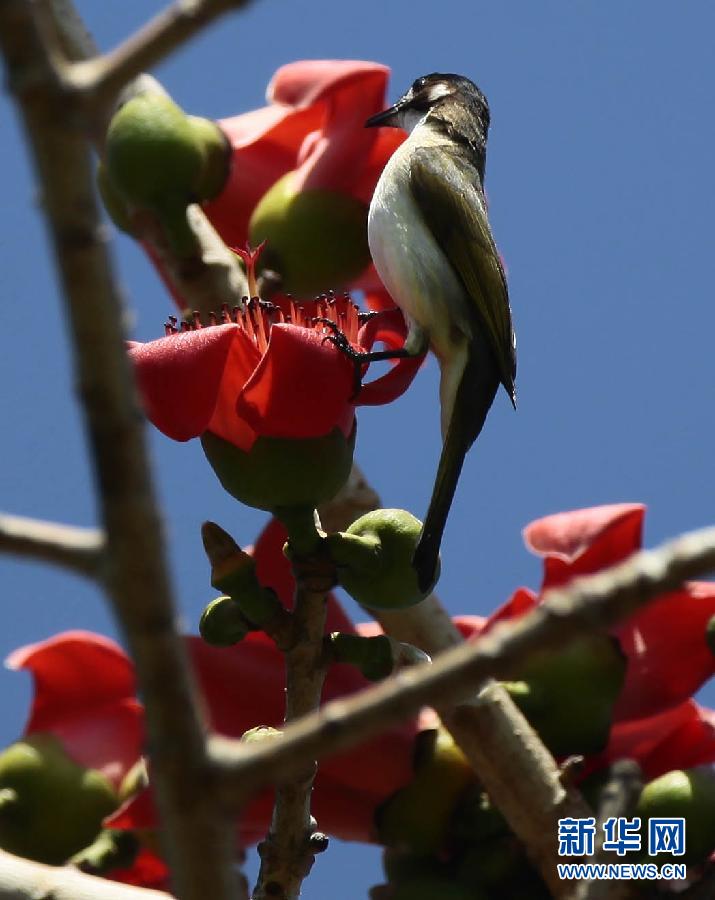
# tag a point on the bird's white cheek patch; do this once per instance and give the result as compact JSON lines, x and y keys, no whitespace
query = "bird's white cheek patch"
{"x":437,"y":91}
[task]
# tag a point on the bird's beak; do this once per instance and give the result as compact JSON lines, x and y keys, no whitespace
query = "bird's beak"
{"x":388,"y":118}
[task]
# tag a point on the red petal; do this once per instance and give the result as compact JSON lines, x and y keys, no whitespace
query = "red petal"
{"x":84,"y":694}
{"x":244,"y":687}
{"x":668,"y":656}
{"x":349,"y":92}
{"x":73,"y":671}
{"x":387,"y":327}
{"x":309,"y":81}
{"x":185,"y":380}
{"x":585,"y":540}
{"x":691,"y":744}
{"x":274,"y":571}
{"x":378,"y":299}
{"x":300,"y":389}
{"x":637,"y":738}
{"x":138,"y":812}
{"x":265,"y":145}
{"x":310,"y":99}
{"x":391,"y":385}
{"x":522,"y":601}
{"x":148,"y":870}
{"x":680,"y":738}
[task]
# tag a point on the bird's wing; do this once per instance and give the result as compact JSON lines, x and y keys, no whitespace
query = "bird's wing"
{"x":446,"y":187}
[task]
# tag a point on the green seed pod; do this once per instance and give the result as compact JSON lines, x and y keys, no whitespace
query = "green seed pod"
{"x":152,"y":153}
{"x":316,"y":238}
{"x":282,"y":472}
{"x":374,"y":559}
{"x":418,"y":816}
{"x":50,"y":807}
{"x":568,"y":694}
{"x":216,"y":154}
{"x":223,"y":624}
{"x":688,"y":794}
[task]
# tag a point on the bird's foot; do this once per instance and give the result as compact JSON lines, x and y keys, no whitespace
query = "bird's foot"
{"x":339,"y":339}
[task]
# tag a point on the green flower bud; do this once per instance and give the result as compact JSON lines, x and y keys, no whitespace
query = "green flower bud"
{"x":372,"y":655}
{"x":316,"y":238}
{"x":418,"y":816}
{"x":688,"y":794}
{"x":50,"y":807}
{"x":223,"y":624}
{"x":152,"y":153}
{"x":374,"y":559}
{"x":234,"y":573}
{"x":113,"y":200}
{"x":568,"y":695}
{"x":112,"y":849}
{"x":282,"y":472}
{"x":216,"y":157}
{"x":154,"y":160}
{"x":136,"y":779}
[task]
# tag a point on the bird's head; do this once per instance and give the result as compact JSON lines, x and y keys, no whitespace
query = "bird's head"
{"x":447,"y":97}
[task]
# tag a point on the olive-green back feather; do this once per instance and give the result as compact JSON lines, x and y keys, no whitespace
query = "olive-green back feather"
{"x":445,"y":184}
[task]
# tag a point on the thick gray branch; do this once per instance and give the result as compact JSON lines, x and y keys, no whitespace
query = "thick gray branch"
{"x":198,"y":843}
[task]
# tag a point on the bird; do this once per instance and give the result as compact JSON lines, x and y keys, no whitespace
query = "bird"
{"x":432,"y":246}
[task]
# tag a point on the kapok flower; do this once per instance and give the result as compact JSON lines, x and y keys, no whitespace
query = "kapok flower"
{"x":311,"y":137}
{"x":266,"y":371}
{"x":270,"y":394}
{"x":85,"y":698}
{"x":665,"y":641}
{"x":85,"y":695}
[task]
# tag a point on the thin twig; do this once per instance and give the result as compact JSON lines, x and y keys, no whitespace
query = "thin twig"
{"x":22,"y":879}
{"x":198,"y":845}
{"x":102,"y":78}
{"x":589,"y":603}
{"x":288,"y":851}
{"x":78,"y":549}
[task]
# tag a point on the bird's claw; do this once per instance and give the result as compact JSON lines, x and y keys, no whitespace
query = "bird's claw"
{"x":339,"y":339}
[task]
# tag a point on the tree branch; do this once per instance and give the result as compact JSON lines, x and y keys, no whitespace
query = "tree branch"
{"x":22,"y":879}
{"x":81,"y":550}
{"x":198,"y":844}
{"x":287,"y":853}
{"x":589,"y":603}
{"x":102,"y":78}
{"x":213,"y":276}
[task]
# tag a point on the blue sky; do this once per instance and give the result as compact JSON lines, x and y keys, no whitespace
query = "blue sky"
{"x":601,"y":184}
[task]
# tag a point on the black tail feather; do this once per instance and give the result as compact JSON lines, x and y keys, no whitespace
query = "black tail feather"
{"x":475,"y":396}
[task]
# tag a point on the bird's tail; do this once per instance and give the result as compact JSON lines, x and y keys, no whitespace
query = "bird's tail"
{"x":473,"y":399}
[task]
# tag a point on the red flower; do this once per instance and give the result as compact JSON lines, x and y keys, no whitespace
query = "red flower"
{"x":665,"y":642}
{"x":668,"y":659}
{"x":266,"y":372}
{"x":681,"y":737}
{"x":85,"y":695}
{"x":314,"y":126}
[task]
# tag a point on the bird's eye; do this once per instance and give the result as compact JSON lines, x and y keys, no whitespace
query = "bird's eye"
{"x":419,"y":83}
